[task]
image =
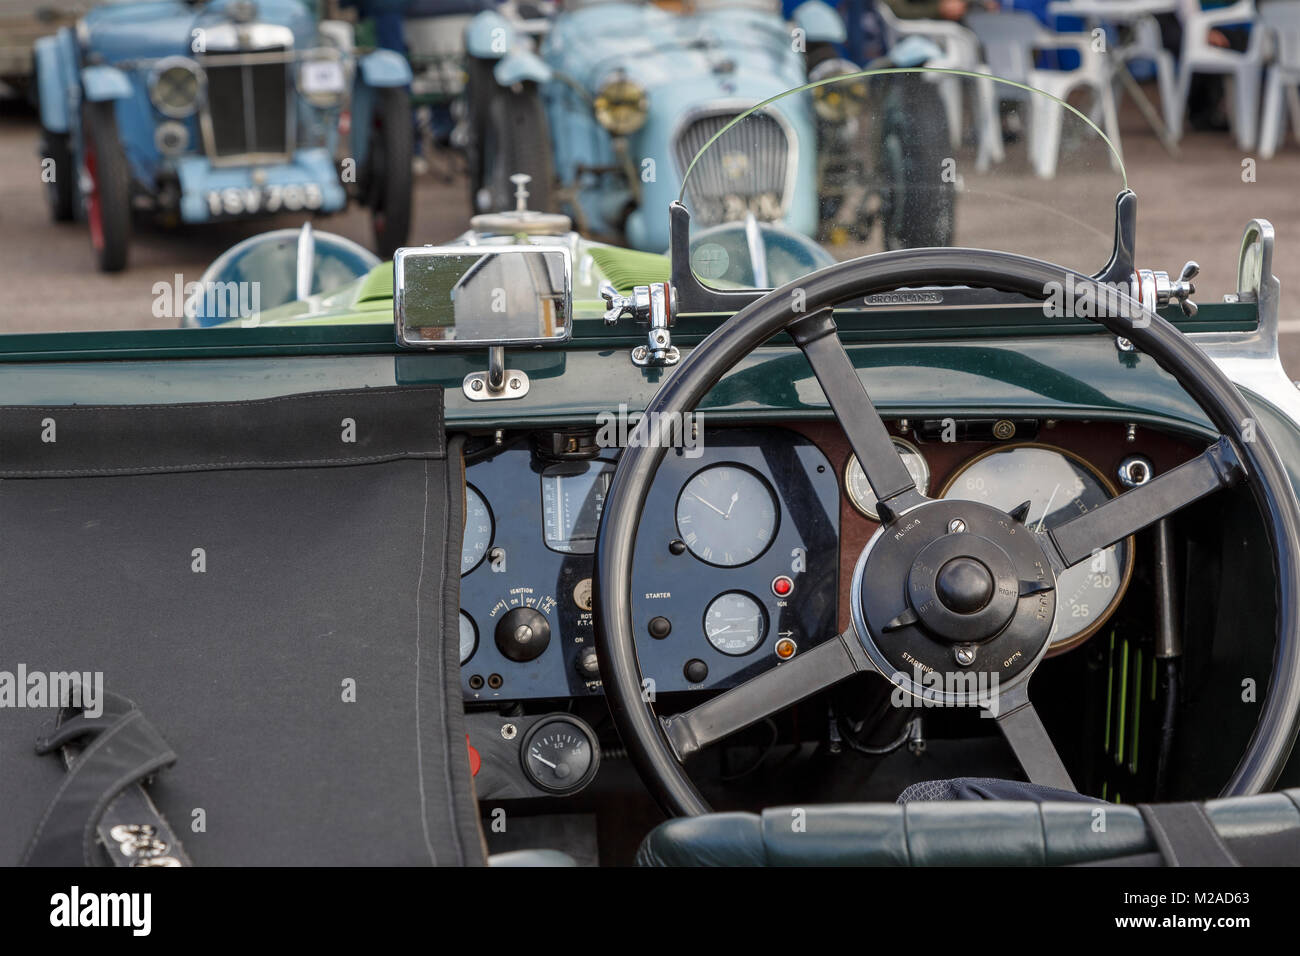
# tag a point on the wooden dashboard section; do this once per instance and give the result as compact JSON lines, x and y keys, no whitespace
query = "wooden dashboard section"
{"x":1103,"y":444}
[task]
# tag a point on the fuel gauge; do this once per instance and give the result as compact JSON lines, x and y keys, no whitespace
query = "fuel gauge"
{"x":573,"y":494}
{"x":560,"y":754}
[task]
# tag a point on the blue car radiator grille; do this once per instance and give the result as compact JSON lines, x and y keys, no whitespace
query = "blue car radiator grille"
{"x":748,"y":170}
{"x":247,"y":111}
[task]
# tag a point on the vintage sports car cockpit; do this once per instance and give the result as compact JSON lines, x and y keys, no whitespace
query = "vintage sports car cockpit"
{"x":791,"y":516}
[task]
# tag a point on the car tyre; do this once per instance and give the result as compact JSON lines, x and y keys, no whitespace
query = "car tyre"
{"x":61,"y":190}
{"x":479,"y":87}
{"x":108,"y":203}
{"x":392,"y":148}
{"x":917,"y":198}
{"x":516,"y":139}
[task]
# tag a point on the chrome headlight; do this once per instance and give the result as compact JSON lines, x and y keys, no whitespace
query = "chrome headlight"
{"x":176,"y":86}
{"x":835,"y":101}
{"x":621,"y":105}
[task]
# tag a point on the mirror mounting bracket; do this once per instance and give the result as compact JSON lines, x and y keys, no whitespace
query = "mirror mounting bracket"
{"x":497,"y":382}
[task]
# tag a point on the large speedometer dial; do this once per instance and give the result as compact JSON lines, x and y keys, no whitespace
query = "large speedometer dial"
{"x":726,"y":515}
{"x":1059,"y":486}
{"x":478,"y":530}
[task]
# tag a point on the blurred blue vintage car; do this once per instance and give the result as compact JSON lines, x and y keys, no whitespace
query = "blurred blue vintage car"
{"x":230,"y":109}
{"x":605,"y":103}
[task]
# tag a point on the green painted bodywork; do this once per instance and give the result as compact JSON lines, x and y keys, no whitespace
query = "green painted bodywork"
{"x":915,"y":361}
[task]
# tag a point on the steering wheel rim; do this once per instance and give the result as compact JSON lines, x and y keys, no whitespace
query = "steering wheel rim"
{"x":644,"y":734}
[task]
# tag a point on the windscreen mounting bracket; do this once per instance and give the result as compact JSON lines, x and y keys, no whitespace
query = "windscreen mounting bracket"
{"x":653,"y":305}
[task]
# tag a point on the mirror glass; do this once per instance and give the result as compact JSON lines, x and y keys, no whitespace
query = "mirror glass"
{"x":464,"y":296}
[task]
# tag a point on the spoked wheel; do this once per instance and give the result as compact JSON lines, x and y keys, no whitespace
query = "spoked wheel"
{"x":917,"y":195}
{"x":389,"y":194}
{"x":106,"y":193}
{"x":944,"y":587}
{"x":515,"y":139}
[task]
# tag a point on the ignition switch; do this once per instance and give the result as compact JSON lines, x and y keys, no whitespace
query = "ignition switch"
{"x":523,"y":634}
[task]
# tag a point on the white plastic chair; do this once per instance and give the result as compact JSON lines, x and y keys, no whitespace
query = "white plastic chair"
{"x":1200,"y":56}
{"x":1148,"y":46}
{"x":1281,"y":18}
{"x":1010,"y":40}
{"x":961,"y":51}
{"x":1142,"y":43}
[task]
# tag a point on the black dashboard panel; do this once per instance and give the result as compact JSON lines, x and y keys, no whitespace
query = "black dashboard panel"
{"x":536,"y":570}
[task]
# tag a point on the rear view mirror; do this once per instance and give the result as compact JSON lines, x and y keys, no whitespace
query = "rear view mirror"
{"x":468,"y":296}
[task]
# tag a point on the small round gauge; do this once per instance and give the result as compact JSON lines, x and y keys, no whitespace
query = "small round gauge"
{"x":859,"y":490}
{"x":468,"y":637}
{"x":726,"y":515}
{"x":1059,"y":486}
{"x":560,"y":754}
{"x":735,"y":623}
{"x":478,"y":530}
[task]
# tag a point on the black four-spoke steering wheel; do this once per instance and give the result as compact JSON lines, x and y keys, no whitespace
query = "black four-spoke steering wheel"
{"x":943,"y":587}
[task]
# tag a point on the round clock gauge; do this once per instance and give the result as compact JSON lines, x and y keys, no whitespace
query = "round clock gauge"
{"x":727,"y":515}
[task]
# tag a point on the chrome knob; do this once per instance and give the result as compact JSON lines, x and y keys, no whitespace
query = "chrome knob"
{"x":521,"y":181}
{"x":1179,"y":290}
{"x":617,"y":305}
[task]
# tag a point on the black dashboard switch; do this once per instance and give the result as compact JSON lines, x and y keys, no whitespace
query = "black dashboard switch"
{"x":696,"y":671}
{"x":659,"y":627}
{"x":523,"y":634}
{"x":587,"y":664}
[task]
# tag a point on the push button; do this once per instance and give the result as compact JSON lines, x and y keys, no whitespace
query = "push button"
{"x":964,"y":585}
{"x":696,"y":671}
{"x":659,"y":627}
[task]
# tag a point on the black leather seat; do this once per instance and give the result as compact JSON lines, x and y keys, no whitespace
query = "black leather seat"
{"x":959,"y":833}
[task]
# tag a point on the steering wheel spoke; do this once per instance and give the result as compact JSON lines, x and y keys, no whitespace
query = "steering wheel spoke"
{"x":823,"y":666}
{"x":1019,"y":723}
{"x":889,"y":478}
{"x":1079,"y":538}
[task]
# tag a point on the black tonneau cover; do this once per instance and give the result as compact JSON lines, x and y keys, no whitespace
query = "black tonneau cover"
{"x":274,"y":584}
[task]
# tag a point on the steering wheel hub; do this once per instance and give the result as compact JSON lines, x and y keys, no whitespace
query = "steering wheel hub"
{"x":963,"y":585}
{"x":988,"y":585}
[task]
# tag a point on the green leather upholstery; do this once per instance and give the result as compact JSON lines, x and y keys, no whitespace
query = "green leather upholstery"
{"x":946,"y":833}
